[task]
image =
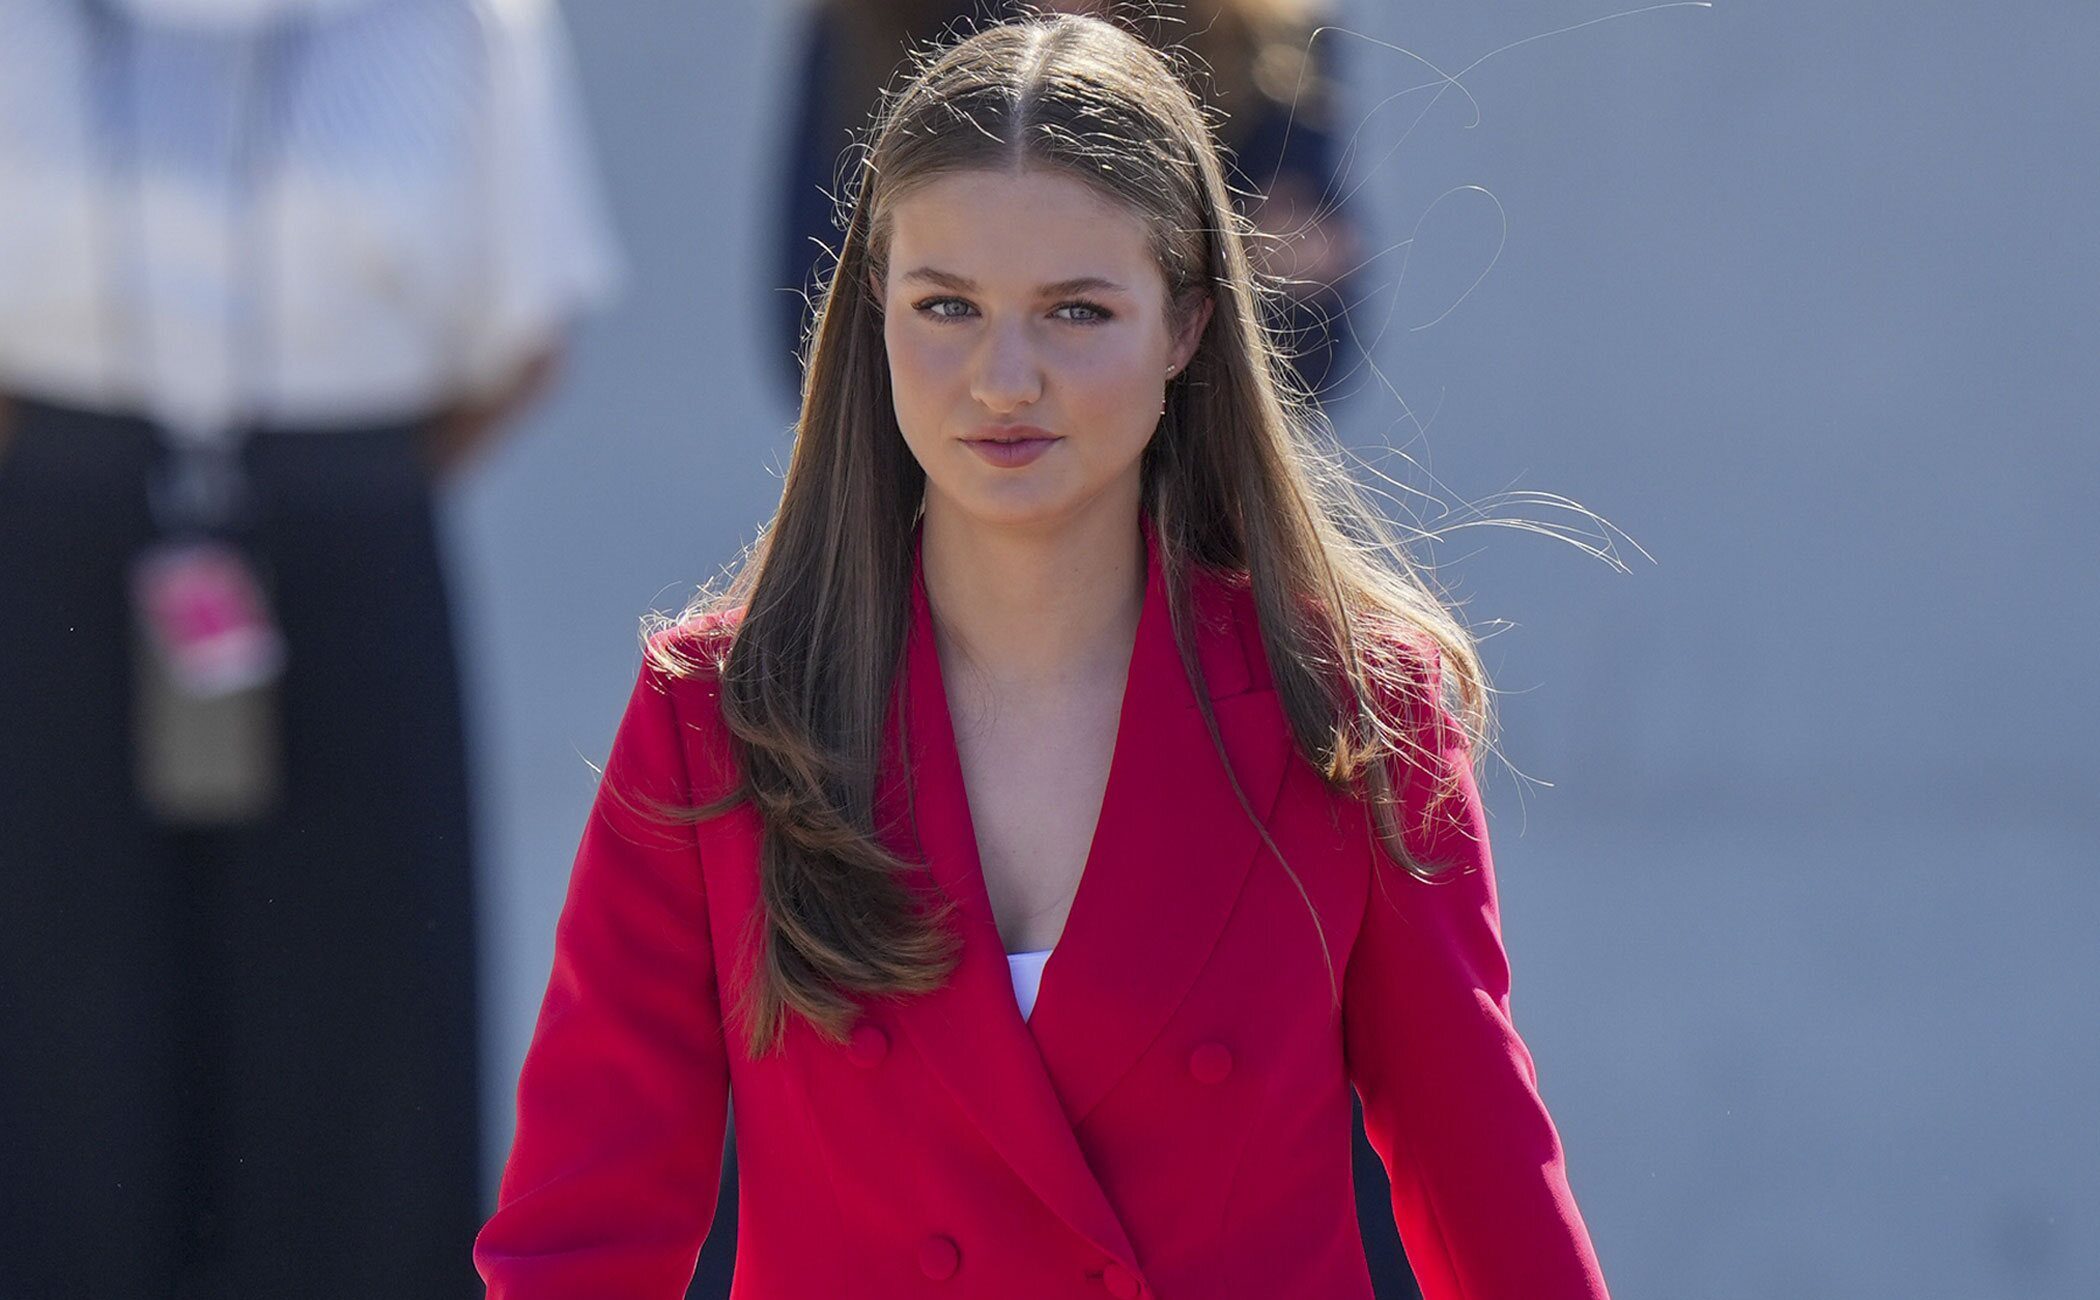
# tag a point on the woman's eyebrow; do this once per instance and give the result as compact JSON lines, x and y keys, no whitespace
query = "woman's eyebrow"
{"x":964,"y":284}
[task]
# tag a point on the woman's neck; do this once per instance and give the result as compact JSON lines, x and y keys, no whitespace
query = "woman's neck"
{"x":1031,"y":608}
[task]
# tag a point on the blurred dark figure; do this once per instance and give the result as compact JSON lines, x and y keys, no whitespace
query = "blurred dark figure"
{"x":271,"y":272}
{"x":1260,"y":68}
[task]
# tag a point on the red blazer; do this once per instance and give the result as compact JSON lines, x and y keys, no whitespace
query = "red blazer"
{"x":1172,"y":1122}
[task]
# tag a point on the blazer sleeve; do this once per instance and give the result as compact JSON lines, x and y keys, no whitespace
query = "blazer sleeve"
{"x":613,"y":1171}
{"x":1450,"y":1096}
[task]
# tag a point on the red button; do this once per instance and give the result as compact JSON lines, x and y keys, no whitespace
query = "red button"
{"x":1121,"y":1282}
{"x":939,"y":1257}
{"x":1210,"y":1063}
{"x":868,"y":1044}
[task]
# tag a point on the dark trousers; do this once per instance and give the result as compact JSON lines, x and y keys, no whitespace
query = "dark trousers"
{"x":235,"y":1062}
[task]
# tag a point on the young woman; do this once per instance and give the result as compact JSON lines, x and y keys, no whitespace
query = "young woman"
{"x":1066,"y":806}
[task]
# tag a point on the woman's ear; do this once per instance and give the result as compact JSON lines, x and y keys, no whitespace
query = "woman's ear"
{"x":1192,"y":333}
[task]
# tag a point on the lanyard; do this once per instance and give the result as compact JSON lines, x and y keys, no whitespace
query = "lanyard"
{"x":199,"y":482}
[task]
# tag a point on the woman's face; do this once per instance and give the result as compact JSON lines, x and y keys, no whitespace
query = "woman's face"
{"x":1026,"y":307}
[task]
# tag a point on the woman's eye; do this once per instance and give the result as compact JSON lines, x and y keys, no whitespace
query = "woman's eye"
{"x":934,"y":307}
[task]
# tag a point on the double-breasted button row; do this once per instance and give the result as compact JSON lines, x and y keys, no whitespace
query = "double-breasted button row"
{"x":940,"y":1257}
{"x":1210,"y":1062}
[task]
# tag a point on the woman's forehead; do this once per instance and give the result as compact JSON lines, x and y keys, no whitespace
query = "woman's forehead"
{"x":1025,"y":231}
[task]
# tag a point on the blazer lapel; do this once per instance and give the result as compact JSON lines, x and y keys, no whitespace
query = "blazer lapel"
{"x":970,"y":1030}
{"x":1171,"y":849}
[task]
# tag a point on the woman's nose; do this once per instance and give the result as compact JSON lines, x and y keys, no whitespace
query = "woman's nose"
{"x":1008,"y":373}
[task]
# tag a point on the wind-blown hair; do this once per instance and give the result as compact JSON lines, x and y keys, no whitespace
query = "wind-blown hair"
{"x":1242,"y":476}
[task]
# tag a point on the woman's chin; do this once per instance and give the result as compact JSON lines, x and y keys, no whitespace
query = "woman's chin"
{"x":1015,"y":506}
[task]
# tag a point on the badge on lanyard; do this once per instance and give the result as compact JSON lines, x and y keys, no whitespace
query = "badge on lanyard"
{"x":209,"y":657}
{"x":203,"y":608}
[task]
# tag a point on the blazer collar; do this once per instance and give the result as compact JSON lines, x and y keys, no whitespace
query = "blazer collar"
{"x":1171,"y":849}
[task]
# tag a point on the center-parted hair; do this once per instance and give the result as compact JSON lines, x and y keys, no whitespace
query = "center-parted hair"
{"x":1242,"y":477}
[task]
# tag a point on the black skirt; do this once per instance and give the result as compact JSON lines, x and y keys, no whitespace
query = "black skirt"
{"x":234,"y":1062}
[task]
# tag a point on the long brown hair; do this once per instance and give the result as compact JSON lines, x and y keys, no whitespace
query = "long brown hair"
{"x":1242,"y":476}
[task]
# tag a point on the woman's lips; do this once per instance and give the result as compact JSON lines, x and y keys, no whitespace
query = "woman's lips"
{"x":1008,"y":452}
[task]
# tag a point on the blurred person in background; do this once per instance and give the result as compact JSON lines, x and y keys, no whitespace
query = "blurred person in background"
{"x":272,"y":272}
{"x":1258,"y":67}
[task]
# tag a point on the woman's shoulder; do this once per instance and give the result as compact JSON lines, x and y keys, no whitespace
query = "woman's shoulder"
{"x":695,"y":645}
{"x":681,"y":677}
{"x":684,"y":658}
{"x":1414,"y":701}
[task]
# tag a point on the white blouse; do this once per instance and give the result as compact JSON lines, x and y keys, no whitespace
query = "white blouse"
{"x":1027,"y":971}
{"x":418,"y":214}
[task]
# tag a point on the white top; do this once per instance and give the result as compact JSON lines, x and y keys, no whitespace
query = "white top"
{"x":1027,"y":970}
{"x":427,"y":207}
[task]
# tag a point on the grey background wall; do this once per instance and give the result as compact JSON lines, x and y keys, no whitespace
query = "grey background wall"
{"x":1802,"y":297}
